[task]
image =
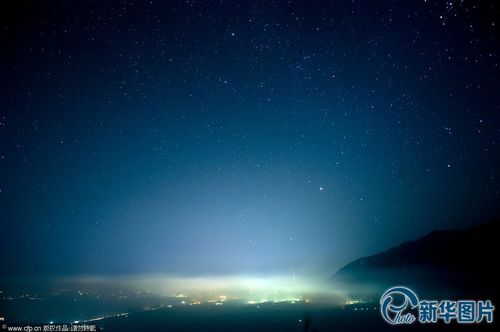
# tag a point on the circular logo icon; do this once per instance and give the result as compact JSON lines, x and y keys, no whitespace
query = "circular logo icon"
{"x":394,"y":304}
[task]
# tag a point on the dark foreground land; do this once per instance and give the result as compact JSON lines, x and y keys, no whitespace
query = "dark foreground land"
{"x":267,"y":317}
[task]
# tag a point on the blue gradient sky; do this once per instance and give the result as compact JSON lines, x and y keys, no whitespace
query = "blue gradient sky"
{"x":209,"y":138}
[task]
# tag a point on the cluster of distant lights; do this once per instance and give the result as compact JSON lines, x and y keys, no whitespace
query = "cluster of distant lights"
{"x":220,"y":300}
{"x":357,"y":305}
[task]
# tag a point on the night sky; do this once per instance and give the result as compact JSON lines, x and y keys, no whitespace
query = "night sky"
{"x":225,"y":137}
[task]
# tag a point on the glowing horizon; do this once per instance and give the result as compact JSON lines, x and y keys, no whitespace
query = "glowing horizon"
{"x":249,"y":288}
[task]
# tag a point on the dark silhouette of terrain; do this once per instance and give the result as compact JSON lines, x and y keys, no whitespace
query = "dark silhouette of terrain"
{"x":452,"y":263}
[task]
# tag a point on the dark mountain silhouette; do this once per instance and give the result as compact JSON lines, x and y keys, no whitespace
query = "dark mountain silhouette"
{"x":458,"y":262}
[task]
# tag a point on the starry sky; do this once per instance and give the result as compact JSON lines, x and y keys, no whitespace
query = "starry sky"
{"x":221,"y":137}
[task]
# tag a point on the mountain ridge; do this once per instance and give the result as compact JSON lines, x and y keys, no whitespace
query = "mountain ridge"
{"x":456,"y":260}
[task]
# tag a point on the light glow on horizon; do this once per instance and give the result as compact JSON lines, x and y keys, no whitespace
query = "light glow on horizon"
{"x":249,"y":289}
